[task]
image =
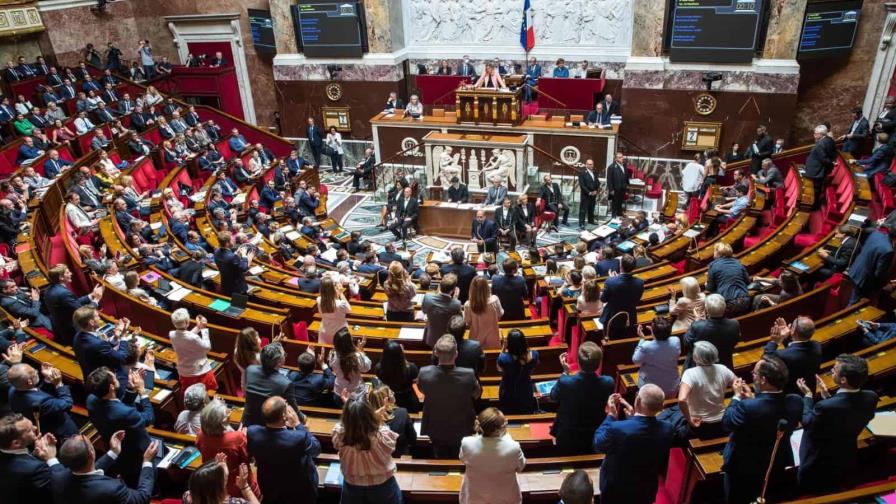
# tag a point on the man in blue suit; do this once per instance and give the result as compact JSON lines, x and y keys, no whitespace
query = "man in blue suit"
{"x":295,"y":164}
{"x":61,"y":303}
{"x":25,"y":477}
{"x":94,"y":351}
{"x":28,"y":151}
{"x":484,"y":232}
{"x":315,"y":140}
{"x":511,"y":290}
{"x":51,"y":400}
{"x":132,"y":414}
{"x":237,"y":142}
{"x":310,"y":388}
{"x":533,"y":73}
{"x":284,"y":453}
{"x":270,"y":195}
{"x":598,"y":117}
{"x":752,"y":420}
{"x":832,"y":425}
{"x":580,"y":401}
{"x":622,"y":293}
{"x":85,"y":481}
{"x":465,"y":273}
{"x":308,"y":202}
{"x":232,"y":265}
{"x":880,"y":158}
{"x":637,"y":448}
{"x":179,"y":226}
{"x":802,"y":355}
{"x":870,"y":270}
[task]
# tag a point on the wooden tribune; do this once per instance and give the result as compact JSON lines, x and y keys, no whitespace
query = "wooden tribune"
{"x":486,"y":105}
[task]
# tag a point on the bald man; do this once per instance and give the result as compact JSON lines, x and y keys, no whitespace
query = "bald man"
{"x":637,"y":448}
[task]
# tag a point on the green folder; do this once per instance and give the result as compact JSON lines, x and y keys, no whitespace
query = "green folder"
{"x":219,"y":305}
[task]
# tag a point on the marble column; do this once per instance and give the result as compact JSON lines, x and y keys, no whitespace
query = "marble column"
{"x":884,"y":64}
{"x":284,"y":32}
{"x":783,"y":35}
{"x":385,"y":32}
{"x":647,"y":32}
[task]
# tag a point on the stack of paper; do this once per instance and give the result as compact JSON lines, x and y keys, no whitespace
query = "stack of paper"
{"x":177,"y":292}
{"x":411,"y":333}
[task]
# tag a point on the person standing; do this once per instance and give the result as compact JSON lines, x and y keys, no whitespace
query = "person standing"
{"x":263,"y":381}
{"x":761,"y":148}
{"x":25,"y":476}
{"x":722,"y":332}
{"x":832,"y":425}
{"x":588,"y":188}
{"x":622,"y":293}
{"x":46,"y":404}
{"x":858,"y":132}
{"x":516,"y":363}
{"x":819,"y":163}
{"x":657,"y":359}
{"x":400,"y":292}
{"x":492,"y":460}
{"x":871,"y":268}
{"x":580,"y":400}
{"x":482,"y":312}
{"x":511,"y":291}
{"x":192,"y":347}
{"x":315,"y":141}
{"x":232,"y":265}
{"x":333,"y":309}
{"x":451,"y":392}
{"x":637,"y":448}
{"x":439,"y":308}
{"x":617,"y":184}
{"x":802,"y":356}
{"x":334,"y":142}
{"x":61,"y":303}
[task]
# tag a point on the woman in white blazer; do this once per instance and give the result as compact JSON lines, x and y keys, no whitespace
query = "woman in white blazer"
{"x":492,"y":459}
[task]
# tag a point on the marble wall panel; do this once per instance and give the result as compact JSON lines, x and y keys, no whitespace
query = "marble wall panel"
{"x":348,"y":72}
{"x":27,"y":46}
{"x":647,"y":31}
{"x":784,"y":28}
{"x":756,"y":82}
{"x":284,"y":31}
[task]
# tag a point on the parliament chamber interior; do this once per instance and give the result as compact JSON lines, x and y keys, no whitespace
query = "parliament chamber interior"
{"x":592,"y":251}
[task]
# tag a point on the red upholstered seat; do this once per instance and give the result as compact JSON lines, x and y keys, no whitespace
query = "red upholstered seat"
{"x":542,"y":216}
{"x":656,"y":189}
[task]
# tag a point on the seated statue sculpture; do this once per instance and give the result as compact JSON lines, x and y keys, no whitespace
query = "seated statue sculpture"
{"x":448,"y":166}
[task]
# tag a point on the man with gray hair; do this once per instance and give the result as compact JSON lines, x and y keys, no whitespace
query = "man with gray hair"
{"x":637,"y":448}
{"x":188,"y":420}
{"x":723,"y":333}
{"x":263,"y":381}
{"x":820,"y":162}
{"x":801,"y":355}
{"x":497,"y":192}
{"x":451,"y":392}
{"x":46,"y":404}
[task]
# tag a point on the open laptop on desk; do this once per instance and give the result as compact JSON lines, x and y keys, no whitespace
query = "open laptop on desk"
{"x":237,"y":305}
{"x":163,"y":288}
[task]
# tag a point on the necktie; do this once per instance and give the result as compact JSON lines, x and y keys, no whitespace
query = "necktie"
{"x":15,"y":75}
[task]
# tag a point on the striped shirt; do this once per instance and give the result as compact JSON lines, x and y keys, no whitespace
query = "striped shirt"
{"x":366,"y":467}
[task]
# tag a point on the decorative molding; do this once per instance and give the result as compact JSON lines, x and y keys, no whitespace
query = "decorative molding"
{"x":761,"y":76}
{"x":51,"y":5}
{"x":19,"y":20}
{"x":884,"y":65}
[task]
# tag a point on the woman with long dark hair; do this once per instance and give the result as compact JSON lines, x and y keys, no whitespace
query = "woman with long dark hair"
{"x":365,"y":445}
{"x":348,"y":361}
{"x":399,"y":374}
{"x":516,"y":362}
{"x":208,"y":484}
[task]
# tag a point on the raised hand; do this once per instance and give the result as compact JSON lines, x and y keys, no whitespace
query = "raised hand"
{"x":563,"y":363}
{"x":242,"y":478}
{"x":822,"y":388}
{"x":629,"y":410}
{"x":115,"y":442}
{"x":613,"y":405}
{"x":13,"y":354}
{"x":151,"y":451}
{"x":45,"y":447}
{"x":221,"y":458}
{"x":801,"y":384}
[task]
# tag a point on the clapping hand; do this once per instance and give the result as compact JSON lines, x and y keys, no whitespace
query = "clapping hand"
{"x":563,"y":363}
{"x":13,"y":354}
{"x":115,"y":442}
{"x":242,"y":478}
{"x":613,"y":405}
{"x":741,"y":389}
{"x":280,"y":337}
{"x":151,"y":451}
{"x":801,"y":384}
{"x":779,"y":331}
{"x":135,"y":381}
{"x":221,"y":458}
{"x":45,"y":447}
{"x":822,"y":388}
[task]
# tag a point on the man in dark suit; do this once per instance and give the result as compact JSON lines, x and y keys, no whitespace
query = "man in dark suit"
{"x":553,"y":199}
{"x":313,"y":389}
{"x":621,"y":294}
{"x":394,"y":102}
{"x":407,"y":209}
{"x":599,"y":116}
{"x":832,"y":425}
{"x":769,"y":175}
{"x":315,"y":140}
{"x":484,"y":233}
{"x":264,"y":381}
{"x":94,"y":351}
{"x":465,"y":273}
{"x":68,"y":91}
{"x":26,"y":477}
{"x":617,"y":184}
{"x":23,"y":304}
{"x":880,"y":158}
{"x":505,"y":221}
{"x":132,"y":414}
{"x":363,"y":169}
{"x":723,"y":333}
{"x":53,"y":78}
{"x":451,"y":392}
{"x":310,"y":282}
{"x":232,"y":265}
{"x":580,"y":400}
{"x":284,"y":452}
{"x":858,"y":132}
{"x":496,"y":192}
{"x":588,"y":188}
{"x":802,"y":355}
{"x":637,"y":448}
{"x":439,"y":307}
{"x":390,"y":254}
{"x":466,"y":68}
{"x":457,"y":192}
{"x":761,"y":149}
{"x":870,"y":269}
{"x":839,"y":260}
{"x":190,"y":271}
{"x":85,"y":482}
{"x":819,"y":163}
{"x":47,"y":404}
{"x":611,"y":106}
{"x":752,"y":420}
{"x":511,"y":290}
{"x":61,"y":303}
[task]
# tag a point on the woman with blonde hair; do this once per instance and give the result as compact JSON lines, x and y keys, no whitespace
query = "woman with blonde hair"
{"x":689,"y":307}
{"x":400,"y":292}
{"x":333,"y":308}
{"x":397,"y":418}
{"x":492,"y":459}
{"x":482,"y":311}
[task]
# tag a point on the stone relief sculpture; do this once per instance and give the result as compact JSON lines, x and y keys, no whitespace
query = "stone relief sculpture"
{"x":592,"y":23}
{"x":448,"y":166}
{"x":502,"y":164}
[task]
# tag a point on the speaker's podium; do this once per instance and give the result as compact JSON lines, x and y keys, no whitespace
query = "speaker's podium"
{"x":489,"y":106}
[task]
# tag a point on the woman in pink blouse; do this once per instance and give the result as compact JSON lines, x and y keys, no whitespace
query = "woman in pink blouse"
{"x":365,"y":445}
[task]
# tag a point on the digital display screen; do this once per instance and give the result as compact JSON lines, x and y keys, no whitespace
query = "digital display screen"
{"x":829,"y":29}
{"x":262,"y":31}
{"x":329,"y":29}
{"x":715,"y":31}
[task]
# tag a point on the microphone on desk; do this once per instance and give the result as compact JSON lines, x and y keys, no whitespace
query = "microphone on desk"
{"x":783,"y":425}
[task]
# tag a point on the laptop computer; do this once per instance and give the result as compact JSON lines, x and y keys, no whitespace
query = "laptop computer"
{"x":237,"y":305}
{"x":164,"y":287}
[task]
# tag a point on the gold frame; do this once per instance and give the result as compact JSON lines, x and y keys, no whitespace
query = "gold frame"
{"x":701,"y":130}
{"x":337,"y":116}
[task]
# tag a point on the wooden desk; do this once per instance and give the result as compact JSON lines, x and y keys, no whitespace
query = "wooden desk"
{"x":438,"y":218}
{"x":489,"y":106}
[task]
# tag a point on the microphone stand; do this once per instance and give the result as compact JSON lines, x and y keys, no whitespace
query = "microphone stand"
{"x":771,"y":463}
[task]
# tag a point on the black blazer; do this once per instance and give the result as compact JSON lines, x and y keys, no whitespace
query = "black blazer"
{"x":259,"y":387}
{"x":505,"y":217}
{"x":552,"y":196}
{"x":839,"y":260}
{"x":26,"y":478}
{"x":486,"y":231}
{"x":459,"y":195}
{"x":512,"y":292}
{"x":233,"y":270}
{"x":313,"y":389}
{"x":101,"y":489}
{"x":412,"y":210}
{"x":803,"y":359}
{"x":465,"y":275}
{"x":724,"y":333}
{"x":617,"y":180}
{"x":819,"y":161}
{"x":403,"y":425}
{"x":521,"y":219}
{"x":588,"y":183}
{"x":753,"y":424}
{"x":191,"y":273}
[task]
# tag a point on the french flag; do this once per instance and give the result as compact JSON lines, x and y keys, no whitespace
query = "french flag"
{"x":527,"y":28}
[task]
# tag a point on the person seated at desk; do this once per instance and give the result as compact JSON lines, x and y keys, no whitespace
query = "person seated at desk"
{"x":506,"y":222}
{"x":457,"y":192}
{"x":394,"y":102}
{"x":582,"y":71}
{"x":466,"y":68}
{"x":490,"y":79}
{"x":561,"y":71}
{"x":496,"y":193}
{"x":880,"y":158}
{"x":598,"y":117}
{"x":484,"y":233}
{"x":729,"y":211}
{"x":414,"y":108}
{"x":444,"y":68}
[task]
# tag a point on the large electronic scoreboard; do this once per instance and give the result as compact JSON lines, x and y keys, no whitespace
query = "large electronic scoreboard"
{"x":330,"y":29}
{"x":829,"y":29}
{"x":714,"y":31}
